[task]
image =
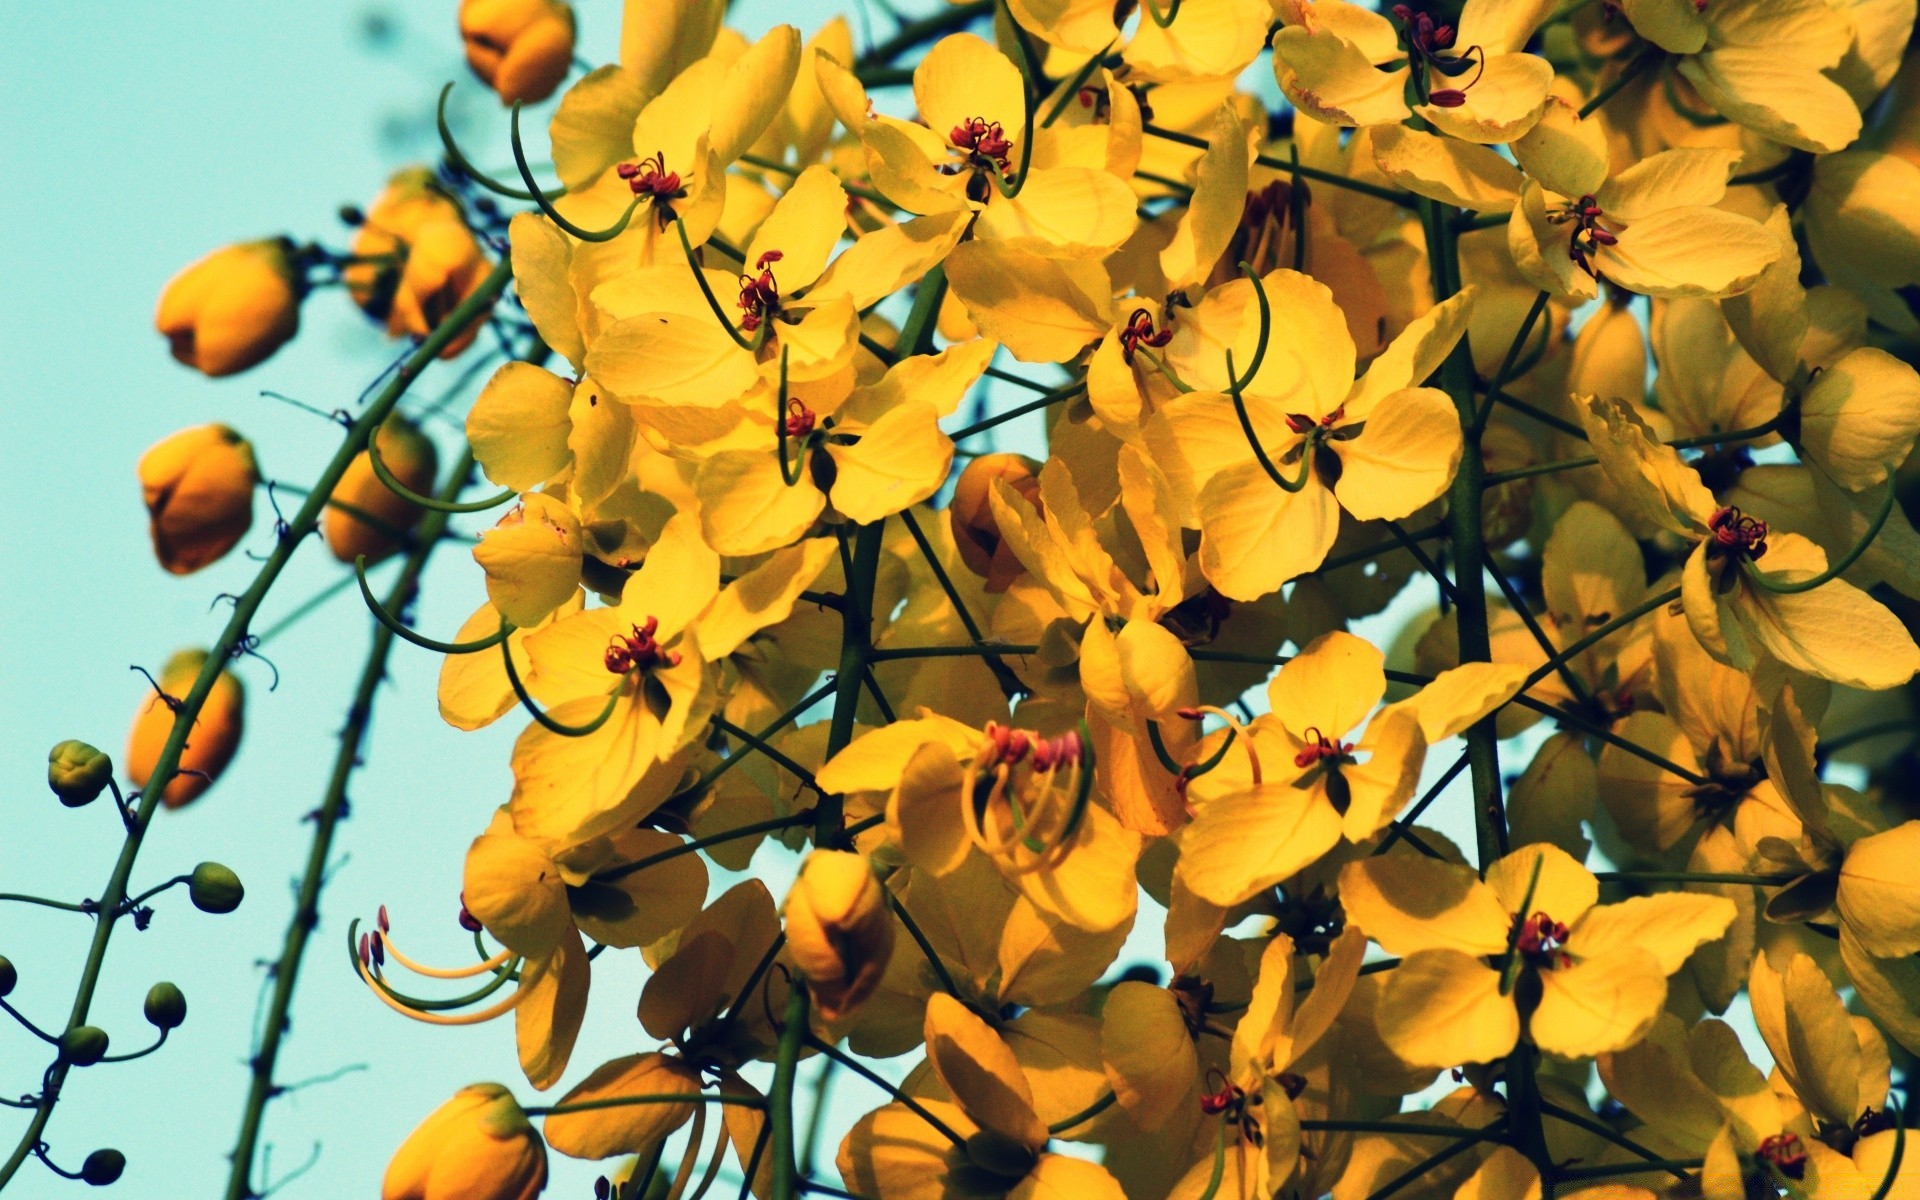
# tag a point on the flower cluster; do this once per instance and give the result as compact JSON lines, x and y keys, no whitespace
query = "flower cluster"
{"x":1579,"y":334}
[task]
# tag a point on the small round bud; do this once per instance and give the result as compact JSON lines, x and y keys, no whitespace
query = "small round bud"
{"x":84,"y":1045}
{"x":215,"y":888}
{"x":411,"y":457}
{"x":103,"y":1167}
{"x":976,"y":532}
{"x":8,"y":976}
{"x":352,"y":216}
{"x":216,"y":735}
{"x":77,"y":772}
{"x":166,"y":1007}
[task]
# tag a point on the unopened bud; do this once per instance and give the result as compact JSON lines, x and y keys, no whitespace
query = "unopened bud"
{"x":839,"y":929}
{"x":477,"y":1146}
{"x":8,"y":976}
{"x":215,"y":889}
{"x":416,"y":260}
{"x":199,"y":486}
{"x":166,"y":1006}
{"x":77,"y":772}
{"x":520,"y":48}
{"x":233,"y":308}
{"x":103,"y":1167}
{"x":975,"y":532}
{"x":370,"y":515}
{"x":212,"y":741}
{"x":84,"y":1045}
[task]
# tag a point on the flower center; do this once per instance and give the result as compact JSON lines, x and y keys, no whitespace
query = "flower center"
{"x":1215,"y":1103}
{"x":1541,"y":940}
{"x":799,"y":420}
{"x":1302,"y":423}
{"x":1588,"y":235}
{"x":1140,"y":332}
{"x":638,"y":651}
{"x":1024,"y":795}
{"x":650,"y":177}
{"x":1424,"y":39}
{"x":760,"y":294}
{"x":1736,"y":535}
{"x":1320,"y":748}
{"x":984,"y":141}
{"x":1784,"y":1153}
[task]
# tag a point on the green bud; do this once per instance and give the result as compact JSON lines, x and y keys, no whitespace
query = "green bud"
{"x":103,"y":1167}
{"x":8,"y":976}
{"x":84,"y":1045}
{"x":77,"y":772}
{"x":215,"y":888}
{"x":166,"y":1006}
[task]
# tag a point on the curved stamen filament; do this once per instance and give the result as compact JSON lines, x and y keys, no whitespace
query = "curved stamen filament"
{"x":1242,"y":733}
{"x":479,"y":1017}
{"x":479,"y":968}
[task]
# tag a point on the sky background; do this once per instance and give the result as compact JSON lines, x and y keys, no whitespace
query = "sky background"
{"x":137,"y":138}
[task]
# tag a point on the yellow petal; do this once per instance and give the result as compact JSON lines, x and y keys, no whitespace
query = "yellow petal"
{"x":1329,"y":687}
{"x":1566,"y":153}
{"x":1599,"y":1004}
{"x":762,"y":597}
{"x":1255,"y":537}
{"x":1689,"y":251}
{"x":513,"y":888}
{"x":980,"y":1072}
{"x":747,"y":508}
{"x":1502,"y":105}
{"x":1563,"y":888}
{"x":542,"y":261}
{"x":1447,"y":169}
{"x":1409,"y":903}
{"x":963,"y":78}
{"x":803,"y":228}
{"x":1150,"y":1059}
{"x":755,"y":89}
{"x":1463,"y":695}
{"x":671,"y":358}
{"x":1040,"y":309}
{"x":547,"y":1020}
{"x":1063,"y":211}
{"x":891,"y":257}
{"x":1771,"y":93}
{"x":1330,"y":80}
{"x":1441,"y":1008}
{"x":900,"y":460}
{"x":1403,"y":458}
{"x":1213,"y":211}
{"x":532,"y":559}
{"x":1806,"y":1026}
{"x":625,"y":1128}
{"x":518,"y":426}
{"x":1244,"y":842}
{"x":1859,"y":417}
{"x":1878,"y":895}
{"x":1669,"y":926}
{"x":1506,"y":1175}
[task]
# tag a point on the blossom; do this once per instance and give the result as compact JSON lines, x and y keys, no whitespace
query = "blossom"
{"x":232,"y":309}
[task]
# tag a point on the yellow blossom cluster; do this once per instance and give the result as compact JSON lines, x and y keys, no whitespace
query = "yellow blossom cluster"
{"x":1500,"y":408}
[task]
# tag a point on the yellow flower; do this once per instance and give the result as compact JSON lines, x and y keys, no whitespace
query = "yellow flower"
{"x":233,"y":308}
{"x":1651,"y":228}
{"x":1761,"y":63}
{"x":1732,"y":581}
{"x":368,"y":517}
{"x":199,"y":486}
{"x":1379,"y":447}
{"x":520,"y":48}
{"x":1307,"y":785}
{"x":1002,"y":1146}
{"x":839,"y":929}
{"x":1577,"y":978}
{"x":976,"y":531}
{"x":212,"y":741}
{"x":476,"y":1146}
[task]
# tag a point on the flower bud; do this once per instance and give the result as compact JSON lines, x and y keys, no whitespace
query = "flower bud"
{"x":214,"y":738}
{"x":214,"y":888}
{"x":103,"y":1167}
{"x":166,"y":1007}
{"x":839,"y":929}
{"x":199,"y":486}
{"x":84,"y":1045}
{"x":369,"y":514}
{"x":520,"y":48}
{"x":417,"y":258}
{"x":8,"y":976}
{"x":233,"y":308}
{"x":77,"y":772}
{"x":476,"y":1146}
{"x":974,"y":530}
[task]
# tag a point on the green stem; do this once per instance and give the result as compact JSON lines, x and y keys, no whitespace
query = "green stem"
{"x":1390,"y":195}
{"x":1084,"y":1115}
{"x":1606,"y":631}
{"x":167,"y":765}
{"x":926,"y":947}
{"x":926,"y":29}
{"x":1598,"y":1128}
{"x":793,"y":1029}
{"x":771,"y":825}
{"x":43,"y":902}
{"x":1766,"y":582}
{"x":1413,"y":1173}
{"x":1010,"y":684}
{"x":383,"y":614}
{"x":1408,"y":1129}
{"x":1633,"y":71}
{"x":1514,"y":347}
{"x":856,"y":639}
{"x":863,"y":1071}
{"x":1773,"y":880}
{"x":1019,"y":410}
{"x":987,"y":649}
{"x":1675,"y":1166}
{"x":578,"y":1106}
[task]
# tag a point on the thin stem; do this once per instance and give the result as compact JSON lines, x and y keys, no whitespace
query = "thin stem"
{"x":1767,"y":582}
{"x":737,"y":1100}
{"x":1777,"y":879}
{"x":167,"y":765}
{"x":863,"y":1071}
{"x":926,"y":947}
{"x":431,"y":503}
{"x":1518,"y":604}
{"x":1420,"y":556}
{"x":383,"y":614}
{"x":759,"y":743}
{"x":1539,"y":414}
{"x":770,"y":825}
{"x":1019,"y":410}
{"x":1429,"y":1163}
{"x":780,"y":1115}
{"x":1009,"y":682}
{"x":43,"y":902}
{"x":1410,"y":1129}
{"x":539,"y":715}
{"x":986,"y":649}
{"x":1390,"y":195}
{"x":1580,"y":646}
{"x":546,"y":205}
{"x":1674,"y":1166}
{"x":926,"y":29}
{"x":1084,"y":1115}
{"x":1514,"y":347}
{"x":1403,"y":827}
{"x":326,"y":821}
{"x":1633,"y":71}
{"x":1598,"y":1128}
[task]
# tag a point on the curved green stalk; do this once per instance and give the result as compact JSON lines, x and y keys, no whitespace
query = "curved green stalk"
{"x":546,"y":205}
{"x":533,"y":707}
{"x":394,"y":626}
{"x":393,"y":484}
{"x":459,"y":159}
{"x":1766,"y":582}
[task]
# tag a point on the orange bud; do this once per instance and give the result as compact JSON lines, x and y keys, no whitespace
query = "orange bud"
{"x":232,"y":309}
{"x":199,"y":491}
{"x":419,"y":260}
{"x":210,"y":746}
{"x":974,"y":530}
{"x":367,"y":516}
{"x":521,"y":48}
{"x":476,"y":1146}
{"x":839,"y":929}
